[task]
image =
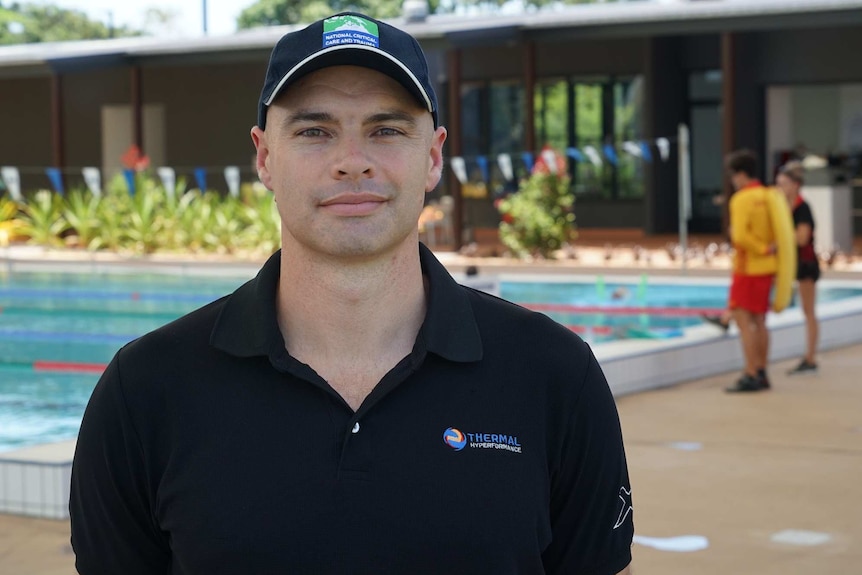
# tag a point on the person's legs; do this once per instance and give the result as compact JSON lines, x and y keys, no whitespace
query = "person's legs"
{"x":761,"y":342}
{"x":748,"y":339}
{"x":808,"y":299}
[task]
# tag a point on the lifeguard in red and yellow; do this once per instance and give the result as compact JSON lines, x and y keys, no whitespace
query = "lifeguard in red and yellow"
{"x":754,"y":266}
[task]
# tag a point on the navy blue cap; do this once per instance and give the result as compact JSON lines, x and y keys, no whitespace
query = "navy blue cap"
{"x":348,"y":39}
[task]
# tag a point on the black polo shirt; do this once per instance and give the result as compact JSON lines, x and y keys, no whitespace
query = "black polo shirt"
{"x":493,"y":448}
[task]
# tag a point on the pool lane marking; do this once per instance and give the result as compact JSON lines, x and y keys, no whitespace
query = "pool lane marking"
{"x":622,"y":310}
{"x":68,"y":366}
{"x":66,"y":336}
{"x":105,"y":295}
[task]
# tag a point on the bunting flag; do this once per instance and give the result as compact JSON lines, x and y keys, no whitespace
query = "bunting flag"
{"x":231,"y":176}
{"x":12,"y":178}
{"x":169,"y":180}
{"x":56,"y":178}
{"x":527,"y":158}
{"x":504,"y":162}
{"x":663,"y":145}
{"x":575,"y":154}
{"x":550,"y":160}
{"x":632,"y":148}
{"x":459,"y":167}
{"x":646,"y":153}
{"x":610,"y":153}
{"x":93,"y":179}
{"x":130,"y":180}
{"x":201,"y":179}
{"x":594,"y":157}
{"x":482,"y":161}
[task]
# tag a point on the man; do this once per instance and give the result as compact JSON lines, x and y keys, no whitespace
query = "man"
{"x":352,"y":409}
{"x":754,"y":267}
{"x":790,"y":178}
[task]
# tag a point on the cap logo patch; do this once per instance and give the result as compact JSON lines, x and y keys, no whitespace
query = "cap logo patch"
{"x":348,"y":29}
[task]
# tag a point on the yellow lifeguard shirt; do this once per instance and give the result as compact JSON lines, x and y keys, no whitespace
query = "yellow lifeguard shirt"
{"x":751,"y":231}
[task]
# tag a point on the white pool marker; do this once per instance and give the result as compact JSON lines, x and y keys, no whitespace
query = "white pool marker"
{"x":686,"y":445}
{"x":679,"y":544}
{"x":801,"y":537}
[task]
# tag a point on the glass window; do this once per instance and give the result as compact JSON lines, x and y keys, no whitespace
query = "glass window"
{"x":588,"y":121}
{"x":628,"y":95}
{"x":550,"y":104}
{"x":471,"y":119}
{"x":507,"y":117}
{"x":582,"y":112}
{"x":705,"y":85}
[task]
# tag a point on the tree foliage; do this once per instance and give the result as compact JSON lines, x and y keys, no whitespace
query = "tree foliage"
{"x":27,"y":23}
{"x":274,"y":12}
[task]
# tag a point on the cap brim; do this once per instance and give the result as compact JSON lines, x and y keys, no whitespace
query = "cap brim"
{"x":355,"y":55}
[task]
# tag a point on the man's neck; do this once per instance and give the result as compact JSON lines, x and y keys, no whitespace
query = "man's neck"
{"x":329,"y":311}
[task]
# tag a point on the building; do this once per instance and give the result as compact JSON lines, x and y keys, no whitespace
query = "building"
{"x":771,"y":75}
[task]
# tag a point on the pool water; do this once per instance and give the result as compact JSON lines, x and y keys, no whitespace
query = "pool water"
{"x":57,"y":331}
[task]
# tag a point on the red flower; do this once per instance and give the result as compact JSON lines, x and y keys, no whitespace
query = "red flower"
{"x":134,"y":160}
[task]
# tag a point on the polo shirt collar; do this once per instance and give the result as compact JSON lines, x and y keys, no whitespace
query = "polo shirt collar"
{"x":247,"y":325}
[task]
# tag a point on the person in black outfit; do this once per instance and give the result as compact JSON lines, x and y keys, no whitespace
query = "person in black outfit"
{"x":352,"y":409}
{"x":790,"y":178}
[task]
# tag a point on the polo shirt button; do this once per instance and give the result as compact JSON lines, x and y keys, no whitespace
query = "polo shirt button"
{"x":355,"y":428}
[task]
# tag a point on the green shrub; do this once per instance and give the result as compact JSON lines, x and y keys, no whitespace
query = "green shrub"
{"x":539,"y":218}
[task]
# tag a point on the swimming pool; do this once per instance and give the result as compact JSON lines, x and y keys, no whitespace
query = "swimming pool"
{"x":58,"y":330}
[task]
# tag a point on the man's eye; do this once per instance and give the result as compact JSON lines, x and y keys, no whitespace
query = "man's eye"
{"x":388,"y":132}
{"x":312,"y":133}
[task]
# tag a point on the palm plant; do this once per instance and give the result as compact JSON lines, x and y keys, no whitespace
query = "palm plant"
{"x":81,"y":211}
{"x":10,"y":225}
{"x":43,"y":220}
{"x":262,"y":233}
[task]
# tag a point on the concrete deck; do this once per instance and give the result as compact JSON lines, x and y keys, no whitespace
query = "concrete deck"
{"x":738,"y":470}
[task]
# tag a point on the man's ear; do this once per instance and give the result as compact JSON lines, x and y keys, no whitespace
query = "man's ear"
{"x":258,"y":136}
{"x":435,"y":163}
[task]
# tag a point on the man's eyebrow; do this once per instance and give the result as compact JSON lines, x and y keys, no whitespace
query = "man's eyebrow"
{"x":308,"y":116}
{"x":391,"y":116}
{"x":315,"y":117}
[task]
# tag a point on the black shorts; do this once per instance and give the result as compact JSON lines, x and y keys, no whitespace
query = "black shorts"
{"x":808,"y":271}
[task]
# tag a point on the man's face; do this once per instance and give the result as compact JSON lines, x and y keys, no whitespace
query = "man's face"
{"x":349,"y":155}
{"x":737,"y":179}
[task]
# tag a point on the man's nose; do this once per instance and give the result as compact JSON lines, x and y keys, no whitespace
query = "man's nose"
{"x":352,"y":160}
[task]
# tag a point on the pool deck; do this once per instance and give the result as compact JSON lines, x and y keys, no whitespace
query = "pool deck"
{"x":769,"y":479}
{"x":738,"y":470}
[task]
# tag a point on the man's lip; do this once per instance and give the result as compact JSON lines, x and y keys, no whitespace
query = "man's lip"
{"x":353,"y":198}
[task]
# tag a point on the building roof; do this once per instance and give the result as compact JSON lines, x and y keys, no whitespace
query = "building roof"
{"x":633,"y":18}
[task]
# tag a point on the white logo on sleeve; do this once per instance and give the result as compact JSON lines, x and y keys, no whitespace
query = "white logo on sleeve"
{"x":626,"y":498}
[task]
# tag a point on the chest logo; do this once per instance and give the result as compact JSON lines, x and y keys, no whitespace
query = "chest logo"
{"x":458,"y":440}
{"x":454,"y":438}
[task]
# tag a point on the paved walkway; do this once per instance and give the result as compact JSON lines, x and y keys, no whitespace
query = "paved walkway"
{"x":738,"y":470}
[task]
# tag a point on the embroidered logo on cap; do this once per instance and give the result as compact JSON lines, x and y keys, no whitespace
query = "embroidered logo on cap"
{"x":349,"y":29}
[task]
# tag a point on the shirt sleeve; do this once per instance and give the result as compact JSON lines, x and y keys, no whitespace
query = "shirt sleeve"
{"x":114,"y":529}
{"x":591,"y":504}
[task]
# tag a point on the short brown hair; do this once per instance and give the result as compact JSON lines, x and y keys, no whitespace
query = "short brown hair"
{"x":744,"y":161}
{"x":793,"y":170}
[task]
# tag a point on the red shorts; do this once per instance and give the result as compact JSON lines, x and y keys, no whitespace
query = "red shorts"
{"x":750,"y":293}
